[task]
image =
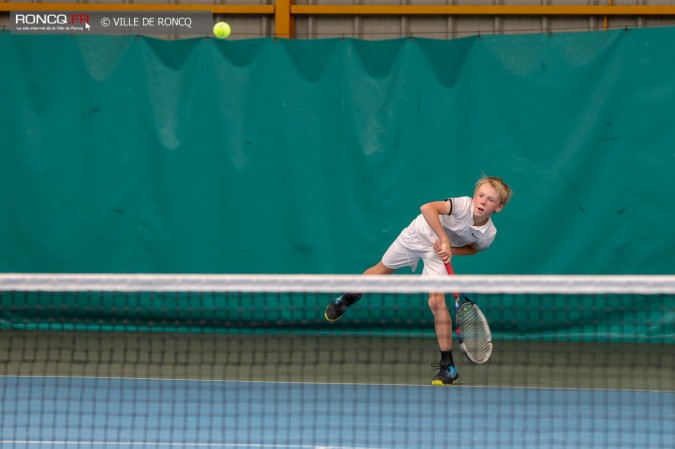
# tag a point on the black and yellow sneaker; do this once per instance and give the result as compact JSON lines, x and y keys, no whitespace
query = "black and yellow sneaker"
{"x":336,"y":308}
{"x":447,"y":375}
{"x":339,"y":305}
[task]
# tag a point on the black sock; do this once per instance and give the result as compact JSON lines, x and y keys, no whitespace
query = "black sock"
{"x":446,"y":358}
{"x":351,"y":298}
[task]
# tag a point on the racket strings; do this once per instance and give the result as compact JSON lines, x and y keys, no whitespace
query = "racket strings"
{"x":476,"y":336}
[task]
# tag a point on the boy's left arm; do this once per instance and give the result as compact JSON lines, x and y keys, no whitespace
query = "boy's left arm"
{"x":468,"y":250}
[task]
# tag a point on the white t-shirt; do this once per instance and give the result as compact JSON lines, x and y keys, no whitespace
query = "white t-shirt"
{"x":458,"y":226}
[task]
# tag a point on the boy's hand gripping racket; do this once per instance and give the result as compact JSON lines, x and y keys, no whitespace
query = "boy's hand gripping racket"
{"x":471,"y":327}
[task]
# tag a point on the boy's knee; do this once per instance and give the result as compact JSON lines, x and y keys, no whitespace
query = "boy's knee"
{"x":437,"y":302}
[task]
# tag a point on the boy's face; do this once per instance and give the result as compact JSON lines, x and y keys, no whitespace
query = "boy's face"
{"x":485,"y":201}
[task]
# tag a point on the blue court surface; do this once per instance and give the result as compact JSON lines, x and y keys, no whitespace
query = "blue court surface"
{"x":109,"y":413}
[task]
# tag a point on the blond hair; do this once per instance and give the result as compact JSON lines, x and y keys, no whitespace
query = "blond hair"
{"x":499,"y":185}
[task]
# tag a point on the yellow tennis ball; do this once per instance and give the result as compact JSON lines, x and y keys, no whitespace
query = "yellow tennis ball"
{"x":222,"y":30}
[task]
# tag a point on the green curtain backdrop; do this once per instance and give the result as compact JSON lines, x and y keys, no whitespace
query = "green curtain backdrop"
{"x":126,"y":154}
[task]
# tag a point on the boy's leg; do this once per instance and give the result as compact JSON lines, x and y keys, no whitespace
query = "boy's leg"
{"x":447,"y":373}
{"x":442,"y":321}
{"x":398,"y":255}
{"x":339,"y":305}
{"x":379,"y":269}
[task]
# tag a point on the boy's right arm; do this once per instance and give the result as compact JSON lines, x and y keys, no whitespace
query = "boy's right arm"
{"x":431,"y":213}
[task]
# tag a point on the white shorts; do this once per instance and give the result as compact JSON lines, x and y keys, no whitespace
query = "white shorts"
{"x":408,"y":249}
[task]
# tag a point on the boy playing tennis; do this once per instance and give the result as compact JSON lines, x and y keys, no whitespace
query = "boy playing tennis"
{"x":455,"y":227}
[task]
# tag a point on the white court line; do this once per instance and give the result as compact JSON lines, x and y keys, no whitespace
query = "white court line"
{"x":159,"y":444}
{"x":454,"y":388}
{"x":279,"y":382}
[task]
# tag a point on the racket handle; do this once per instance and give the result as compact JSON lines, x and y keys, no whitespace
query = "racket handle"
{"x":451,"y":272}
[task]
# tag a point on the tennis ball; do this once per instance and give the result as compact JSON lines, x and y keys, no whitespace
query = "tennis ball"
{"x":222,"y":30}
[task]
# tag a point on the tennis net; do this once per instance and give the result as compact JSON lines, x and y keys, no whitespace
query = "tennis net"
{"x":190,"y":361}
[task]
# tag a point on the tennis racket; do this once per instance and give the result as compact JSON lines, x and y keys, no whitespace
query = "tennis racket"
{"x":471,"y":327}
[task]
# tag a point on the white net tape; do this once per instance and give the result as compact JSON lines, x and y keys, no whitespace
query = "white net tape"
{"x":508,"y":284}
